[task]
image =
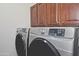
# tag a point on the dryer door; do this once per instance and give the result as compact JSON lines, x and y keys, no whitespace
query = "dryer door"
{"x":20,"y":45}
{"x":41,"y":47}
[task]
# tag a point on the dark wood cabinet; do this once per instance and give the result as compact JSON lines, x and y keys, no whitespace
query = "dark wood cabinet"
{"x":51,"y":15}
{"x":68,"y":14}
{"x":42,"y":14}
{"x":45,"y":14}
{"x":34,"y":15}
{"x":55,"y":14}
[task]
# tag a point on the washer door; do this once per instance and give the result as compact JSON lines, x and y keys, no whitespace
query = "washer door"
{"x":20,"y":45}
{"x":41,"y":47}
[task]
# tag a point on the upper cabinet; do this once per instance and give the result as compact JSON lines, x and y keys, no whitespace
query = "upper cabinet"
{"x":51,"y":15}
{"x":34,"y":17}
{"x":45,"y":15}
{"x":55,"y":14}
{"x":68,"y":14}
{"x":41,"y":14}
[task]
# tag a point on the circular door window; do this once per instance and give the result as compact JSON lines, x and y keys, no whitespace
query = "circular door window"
{"x":41,"y":47}
{"x":20,"y":45}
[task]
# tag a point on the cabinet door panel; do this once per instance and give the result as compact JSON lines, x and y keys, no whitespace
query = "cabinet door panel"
{"x":42,"y":14}
{"x":68,"y":14}
{"x":34,"y":16}
{"x":51,"y":14}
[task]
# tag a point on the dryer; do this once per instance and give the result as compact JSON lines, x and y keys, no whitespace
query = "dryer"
{"x":53,"y":41}
{"x":21,"y":41}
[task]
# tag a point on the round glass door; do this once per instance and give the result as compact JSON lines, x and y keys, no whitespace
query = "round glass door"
{"x":20,"y":45}
{"x":41,"y":47}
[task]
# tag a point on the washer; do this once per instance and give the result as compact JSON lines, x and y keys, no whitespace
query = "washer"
{"x":53,"y":41}
{"x":21,"y":41}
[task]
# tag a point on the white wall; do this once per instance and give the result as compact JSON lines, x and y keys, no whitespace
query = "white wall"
{"x":12,"y":16}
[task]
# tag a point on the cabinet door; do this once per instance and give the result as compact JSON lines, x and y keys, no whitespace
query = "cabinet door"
{"x":51,"y":14}
{"x":68,"y":14}
{"x":42,"y":14}
{"x":34,"y":16}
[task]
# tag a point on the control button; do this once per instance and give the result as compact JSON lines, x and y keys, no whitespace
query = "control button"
{"x":42,"y":33}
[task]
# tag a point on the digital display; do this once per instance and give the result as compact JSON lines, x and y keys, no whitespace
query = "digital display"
{"x":57,"y":32}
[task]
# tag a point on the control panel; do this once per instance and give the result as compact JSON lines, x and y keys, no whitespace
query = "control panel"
{"x":22,"y":30}
{"x":67,"y":32}
{"x":57,"y":32}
